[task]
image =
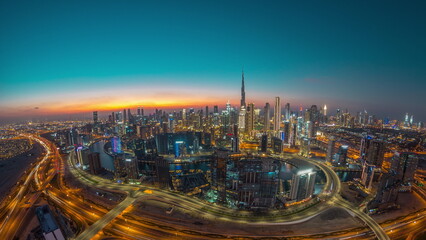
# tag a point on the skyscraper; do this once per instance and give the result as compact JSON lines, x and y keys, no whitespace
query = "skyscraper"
{"x":341,"y":156}
{"x":302,"y":185}
{"x":330,"y":149}
{"x":372,"y":151}
{"x":249,"y":118}
{"x":266,"y":117}
{"x":95,"y":117}
{"x":243,"y":92}
{"x":277,"y":114}
{"x":367,"y":174}
{"x":287,"y":111}
{"x":404,"y":165}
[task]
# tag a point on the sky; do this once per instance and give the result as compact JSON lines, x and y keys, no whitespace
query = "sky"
{"x":64,"y":58}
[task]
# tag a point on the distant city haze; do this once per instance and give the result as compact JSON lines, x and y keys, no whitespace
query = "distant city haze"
{"x":65,"y":60}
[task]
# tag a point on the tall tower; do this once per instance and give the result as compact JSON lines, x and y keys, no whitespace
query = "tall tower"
{"x":266,"y":116}
{"x":249,"y":118}
{"x":95,"y":117}
{"x":243,"y":92}
{"x":277,"y":114}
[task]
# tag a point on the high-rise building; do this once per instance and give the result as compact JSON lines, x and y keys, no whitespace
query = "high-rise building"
{"x":286,"y":132}
{"x":305,"y":147}
{"x":387,"y":193}
{"x":83,"y":156}
{"x":258,"y":182}
{"x":372,"y":151}
{"x":404,"y":165}
{"x":124,"y":115}
{"x":219,"y":171}
{"x":129,"y":115}
{"x":243,"y":91}
{"x":116,"y":145}
{"x":302,"y":185}
{"x":266,"y":117}
{"x":277,"y":115}
{"x":162,"y":168}
{"x":287,"y":111}
{"x":94,"y":163}
{"x":249,"y":118}
{"x":95,"y":117}
{"x":277,"y":145}
{"x":264,"y":143}
{"x":330,"y":149}
{"x":340,"y":158}
{"x":367,"y":174}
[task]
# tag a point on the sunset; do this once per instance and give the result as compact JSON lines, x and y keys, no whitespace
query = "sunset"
{"x":198,"y":120}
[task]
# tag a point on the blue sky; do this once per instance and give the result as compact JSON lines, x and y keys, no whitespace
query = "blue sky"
{"x":359,"y":55}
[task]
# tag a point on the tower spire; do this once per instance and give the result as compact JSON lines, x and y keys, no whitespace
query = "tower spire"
{"x":243,"y":92}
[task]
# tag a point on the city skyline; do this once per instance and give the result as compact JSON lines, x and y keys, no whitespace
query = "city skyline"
{"x":241,"y":119}
{"x":355,"y":56}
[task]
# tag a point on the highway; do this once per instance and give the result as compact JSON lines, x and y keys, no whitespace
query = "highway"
{"x":19,"y":205}
{"x":93,"y":220}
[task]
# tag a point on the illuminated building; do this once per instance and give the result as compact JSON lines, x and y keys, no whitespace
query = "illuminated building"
{"x":305,"y":147}
{"x":242,"y":119}
{"x":116,"y":145}
{"x":325,"y":110}
{"x":372,"y":151}
{"x":125,"y":166}
{"x":341,"y":156}
{"x":243,"y":92}
{"x":302,"y":185}
{"x":258,"y":183}
{"x":178,"y":143}
{"x":277,"y":115}
{"x":309,"y":129}
{"x":73,"y":137}
{"x":83,"y":156}
{"x":286,"y":132}
{"x":249,"y":119}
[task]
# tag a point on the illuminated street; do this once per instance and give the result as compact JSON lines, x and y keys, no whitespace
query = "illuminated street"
{"x":197,"y":120}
